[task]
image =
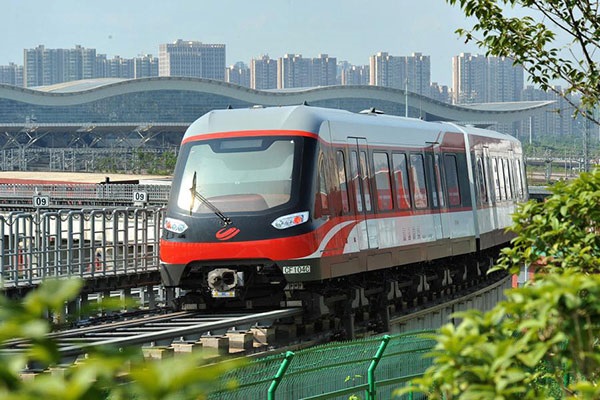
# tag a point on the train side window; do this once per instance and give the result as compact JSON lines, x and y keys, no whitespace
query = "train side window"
{"x":437,"y":167}
{"x":481,"y":181}
{"x":431,"y":178}
{"x":383,"y":184}
{"x":401,"y":180}
{"x":323,"y":191}
{"x":501,"y":176}
{"x":364,"y":169}
{"x":342,"y":177}
{"x":519,"y":179}
{"x":451,"y":172}
{"x":513,"y":181}
{"x":507,"y":179}
{"x":355,"y":182}
{"x":497,"y":190}
{"x":418,"y":182}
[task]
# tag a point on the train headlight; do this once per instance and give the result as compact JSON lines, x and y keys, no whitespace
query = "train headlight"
{"x":175,"y":225}
{"x":287,"y":221}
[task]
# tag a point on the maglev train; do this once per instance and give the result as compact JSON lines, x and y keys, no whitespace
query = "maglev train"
{"x":278,"y":204}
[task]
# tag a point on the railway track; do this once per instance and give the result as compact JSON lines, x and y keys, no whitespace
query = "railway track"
{"x":438,"y":312}
{"x":154,"y":330}
{"x":277,"y":329}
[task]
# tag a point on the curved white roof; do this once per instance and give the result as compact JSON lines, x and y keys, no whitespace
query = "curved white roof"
{"x":78,"y":86}
{"x":80,"y":92}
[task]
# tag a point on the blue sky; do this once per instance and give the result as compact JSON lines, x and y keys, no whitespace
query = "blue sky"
{"x":350,"y":30}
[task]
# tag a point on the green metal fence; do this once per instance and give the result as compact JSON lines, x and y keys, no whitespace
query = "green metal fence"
{"x":369,"y":368}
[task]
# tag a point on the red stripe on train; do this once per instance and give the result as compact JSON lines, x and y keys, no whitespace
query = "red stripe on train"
{"x":238,"y":134}
{"x":272,"y":249}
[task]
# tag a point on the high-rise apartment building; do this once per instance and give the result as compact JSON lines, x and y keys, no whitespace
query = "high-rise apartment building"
{"x":101,"y":66}
{"x":118,"y":67}
{"x":145,"y":66}
{"x":556,"y":121}
{"x":402,"y":72}
{"x":386,"y":70}
{"x":82,"y":63}
{"x":192,"y":58}
{"x":468,"y":78}
{"x":440,"y":93}
{"x":239,"y":73}
{"x":480,"y":79}
{"x":49,"y":66}
{"x":505,"y":80}
{"x":354,"y":74}
{"x":323,"y":71}
{"x":263,"y":73}
{"x":418,"y":73}
{"x":11,"y":74}
{"x":293,"y":71}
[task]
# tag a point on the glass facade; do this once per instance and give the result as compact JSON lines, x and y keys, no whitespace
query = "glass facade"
{"x":151,"y":106}
{"x":129,"y":102}
{"x":159,"y":106}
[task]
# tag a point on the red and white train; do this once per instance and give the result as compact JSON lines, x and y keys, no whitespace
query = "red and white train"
{"x":282,"y":204}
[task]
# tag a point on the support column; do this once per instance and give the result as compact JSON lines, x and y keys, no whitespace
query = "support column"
{"x":126,"y":299}
{"x":150,"y":297}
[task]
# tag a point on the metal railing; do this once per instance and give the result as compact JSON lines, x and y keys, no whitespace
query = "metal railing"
{"x":368,"y":368}
{"x":65,"y":195}
{"x":83,"y":243}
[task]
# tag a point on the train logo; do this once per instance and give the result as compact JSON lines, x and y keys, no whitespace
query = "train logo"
{"x":227,"y":233}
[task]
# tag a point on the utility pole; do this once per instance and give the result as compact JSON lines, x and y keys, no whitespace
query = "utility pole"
{"x":406,"y":97}
{"x":530,"y":128}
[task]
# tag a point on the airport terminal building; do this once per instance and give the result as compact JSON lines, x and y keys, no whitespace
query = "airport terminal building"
{"x":55,"y":123}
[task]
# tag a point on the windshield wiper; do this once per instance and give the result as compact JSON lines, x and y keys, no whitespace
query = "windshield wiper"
{"x":195,"y":195}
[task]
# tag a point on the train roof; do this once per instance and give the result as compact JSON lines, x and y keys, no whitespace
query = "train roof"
{"x":310,"y":119}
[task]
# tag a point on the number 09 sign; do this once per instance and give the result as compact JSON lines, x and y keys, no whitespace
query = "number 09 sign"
{"x":140,"y":197}
{"x":40,"y":201}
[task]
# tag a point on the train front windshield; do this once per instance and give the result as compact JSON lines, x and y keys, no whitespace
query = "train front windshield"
{"x":238,"y":175}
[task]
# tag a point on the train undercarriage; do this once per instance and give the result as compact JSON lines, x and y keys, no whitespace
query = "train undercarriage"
{"x":368,"y":299}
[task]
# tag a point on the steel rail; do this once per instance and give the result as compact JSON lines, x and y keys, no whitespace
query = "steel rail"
{"x":197,"y":326}
{"x":79,"y":332}
{"x":195,"y":329}
{"x":450,"y":303}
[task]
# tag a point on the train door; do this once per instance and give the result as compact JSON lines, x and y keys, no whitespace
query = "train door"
{"x":368,"y":237}
{"x":434,"y":165}
{"x":493,"y":186}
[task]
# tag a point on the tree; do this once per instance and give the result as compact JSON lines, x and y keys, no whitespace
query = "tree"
{"x":560,"y":234}
{"x":534,"y":42}
{"x":106,"y":373}
{"x":542,"y":341}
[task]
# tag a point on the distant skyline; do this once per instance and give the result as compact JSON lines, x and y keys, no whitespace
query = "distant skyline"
{"x":350,"y":31}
